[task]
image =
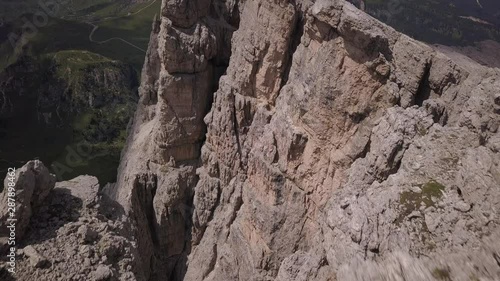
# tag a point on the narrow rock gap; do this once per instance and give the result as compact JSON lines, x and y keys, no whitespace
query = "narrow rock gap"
{"x":365,"y":151}
{"x":236,"y":128}
{"x":180,"y":267}
{"x":212,"y":211}
{"x":295,"y":40}
{"x":234,"y":20}
{"x":424,"y":90}
{"x":220,"y":66}
{"x":237,"y":208}
{"x":150,"y":185}
{"x":212,"y":263}
{"x":391,"y":171}
{"x":277,"y":153}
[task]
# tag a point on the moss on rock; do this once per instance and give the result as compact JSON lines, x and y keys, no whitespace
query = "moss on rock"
{"x":411,"y":201}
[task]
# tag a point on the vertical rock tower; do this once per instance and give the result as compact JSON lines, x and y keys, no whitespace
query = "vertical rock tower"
{"x":188,"y":52}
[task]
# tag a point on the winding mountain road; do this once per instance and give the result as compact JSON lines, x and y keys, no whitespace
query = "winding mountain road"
{"x":95,"y":27}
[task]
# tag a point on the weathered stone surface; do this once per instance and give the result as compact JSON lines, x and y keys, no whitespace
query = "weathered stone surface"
{"x":87,"y":235}
{"x":102,"y":273}
{"x":32,"y":183}
{"x":85,"y":188}
{"x":68,"y":239}
{"x":330,"y":142}
{"x":36,"y":259}
{"x":461,"y":265}
{"x":189,"y":51}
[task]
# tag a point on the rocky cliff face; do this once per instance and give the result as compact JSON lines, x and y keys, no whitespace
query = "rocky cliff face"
{"x":331,"y":148}
{"x":64,"y":231}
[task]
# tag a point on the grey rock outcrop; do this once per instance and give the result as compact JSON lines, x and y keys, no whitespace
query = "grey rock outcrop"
{"x":36,"y":259}
{"x":78,"y":234}
{"x":332,"y":141}
{"x":453,"y":265}
{"x":31,"y":183}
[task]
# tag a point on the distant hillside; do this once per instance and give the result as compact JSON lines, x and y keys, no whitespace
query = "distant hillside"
{"x":118,"y":29}
{"x":488,"y":10}
{"x":12,"y":9}
{"x":69,"y":79}
{"x":52,"y":104}
{"x":449,"y":22}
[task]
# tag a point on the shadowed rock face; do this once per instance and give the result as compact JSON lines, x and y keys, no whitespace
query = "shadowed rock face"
{"x":460,"y":22}
{"x":329,"y":141}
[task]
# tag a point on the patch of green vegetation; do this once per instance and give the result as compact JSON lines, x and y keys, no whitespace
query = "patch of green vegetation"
{"x":98,"y":137}
{"x":441,"y":274}
{"x":102,"y":130}
{"x":99,"y":10}
{"x":8,"y":57}
{"x":432,"y":189}
{"x":474,"y":278}
{"x":103,"y":126}
{"x":61,"y":35}
{"x":83,"y":121}
{"x":66,"y":74}
{"x":97,"y":161}
{"x":129,"y":23}
{"x":411,"y":201}
{"x":72,"y":66}
{"x":134,"y":28}
{"x":77,"y":60}
{"x":70,"y":9}
{"x":86,"y":8}
{"x":60,"y":86}
{"x":134,"y":22}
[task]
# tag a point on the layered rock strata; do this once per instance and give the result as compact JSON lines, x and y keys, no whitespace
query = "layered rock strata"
{"x":331,"y":140}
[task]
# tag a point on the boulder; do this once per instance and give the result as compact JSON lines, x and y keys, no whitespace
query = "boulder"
{"x":31,"y":184}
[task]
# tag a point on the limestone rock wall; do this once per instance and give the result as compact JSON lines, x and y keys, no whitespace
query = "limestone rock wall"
{"x":330,"y":140}
{"x":188,"y":52}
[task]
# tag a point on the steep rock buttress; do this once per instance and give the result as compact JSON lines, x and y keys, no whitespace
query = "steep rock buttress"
{"x":188,"y":51}
{"x":330,"y":141}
